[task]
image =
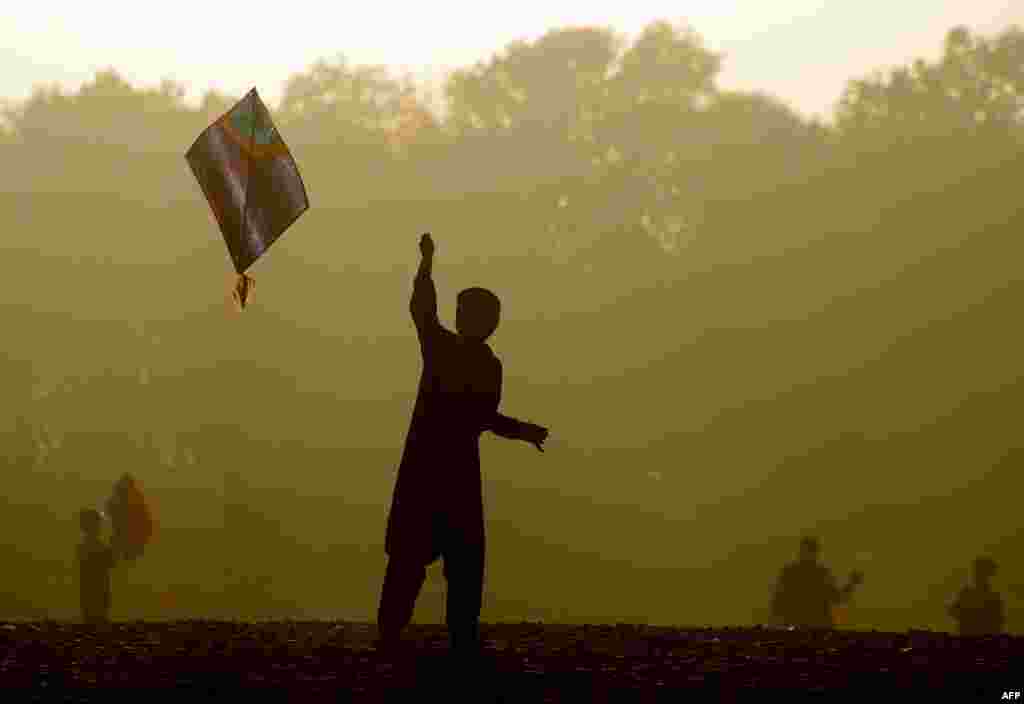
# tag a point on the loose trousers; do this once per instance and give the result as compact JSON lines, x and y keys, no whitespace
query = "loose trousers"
{"x":463,"y":572}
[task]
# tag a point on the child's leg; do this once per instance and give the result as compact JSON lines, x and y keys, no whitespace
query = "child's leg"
{"x":402,"y":583}
{"x":94,"y":614}
{"x":95,"y":604}
{"x":464,"y":572}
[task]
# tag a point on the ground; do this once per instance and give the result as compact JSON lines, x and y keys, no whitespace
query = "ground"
{"x":336,"y":661}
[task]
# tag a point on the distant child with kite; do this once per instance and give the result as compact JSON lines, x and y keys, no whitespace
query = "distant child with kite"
{"x":978,"y":608}
{"x":131,"y":530}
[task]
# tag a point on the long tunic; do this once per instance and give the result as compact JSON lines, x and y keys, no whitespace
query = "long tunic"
{"x":439,"y":478}
{"x":979,"y":611}
{"x":95,"y":560}
{"x":805,"y":595}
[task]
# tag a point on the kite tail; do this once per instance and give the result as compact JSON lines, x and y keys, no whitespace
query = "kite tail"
{"x":243,"y":289}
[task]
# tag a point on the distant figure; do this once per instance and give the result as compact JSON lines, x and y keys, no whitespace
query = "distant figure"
{"x":95,"y":560}
{"x":978,"y":608}
{"x":437,"y":505}
{"x":806,"y":592}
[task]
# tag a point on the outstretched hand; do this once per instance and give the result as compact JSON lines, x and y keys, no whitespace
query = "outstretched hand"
{"x":535,"y":435}
{"x":427,"y":245}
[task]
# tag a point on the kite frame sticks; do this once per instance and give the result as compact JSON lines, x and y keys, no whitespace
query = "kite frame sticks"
{"x":244,"y":282}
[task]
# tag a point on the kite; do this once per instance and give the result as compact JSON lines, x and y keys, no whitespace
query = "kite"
{"x":251,"y":182}
{"x":131,"y":518}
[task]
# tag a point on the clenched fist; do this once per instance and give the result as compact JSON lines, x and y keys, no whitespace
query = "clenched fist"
{"x":427,"y":245}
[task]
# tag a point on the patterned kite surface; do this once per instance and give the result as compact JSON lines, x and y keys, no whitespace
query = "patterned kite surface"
{"x":249,"y":178}
{"x":131,"y":518}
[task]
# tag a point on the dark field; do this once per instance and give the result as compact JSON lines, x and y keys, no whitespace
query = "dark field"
{"x":330,"y":661}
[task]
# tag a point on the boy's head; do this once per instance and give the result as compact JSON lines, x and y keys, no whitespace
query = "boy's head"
{"x":477,"y":312}
{"x":809,"y":548}
{"x":90,"y":520}
{"x":984,"y":569}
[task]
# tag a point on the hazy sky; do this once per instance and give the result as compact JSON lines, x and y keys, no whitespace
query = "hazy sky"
{"x":801,"y":50}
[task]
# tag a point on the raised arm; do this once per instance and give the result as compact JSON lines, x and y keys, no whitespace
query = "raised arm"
{"x":423,"y":304}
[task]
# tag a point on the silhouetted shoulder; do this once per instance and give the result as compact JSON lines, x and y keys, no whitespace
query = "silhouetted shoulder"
{"x":495,"y":368}
{"x":792,"y":571}
{"x":497,"y":360}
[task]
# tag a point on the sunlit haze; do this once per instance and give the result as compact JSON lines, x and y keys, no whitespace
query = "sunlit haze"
{"x":234,"y":46}
{"x":774,"y":300}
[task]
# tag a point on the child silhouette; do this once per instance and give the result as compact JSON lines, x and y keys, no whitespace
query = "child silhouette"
{"x":95,"y":560}
{"x":437,"y":506}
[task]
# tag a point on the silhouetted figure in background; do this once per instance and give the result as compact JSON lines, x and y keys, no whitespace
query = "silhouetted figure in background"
{"x":437,"y":506}
{"x":978,"y":608}
{"x":806,"y":592}
{"x":95,"y":560}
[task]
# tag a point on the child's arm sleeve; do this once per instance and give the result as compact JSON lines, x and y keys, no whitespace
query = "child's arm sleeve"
{"x":501,"y":425}
{"x":423,"y":304}
{"x":505,"y":427}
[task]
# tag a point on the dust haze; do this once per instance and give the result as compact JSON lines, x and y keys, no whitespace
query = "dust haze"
{"x":741,"y":325}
